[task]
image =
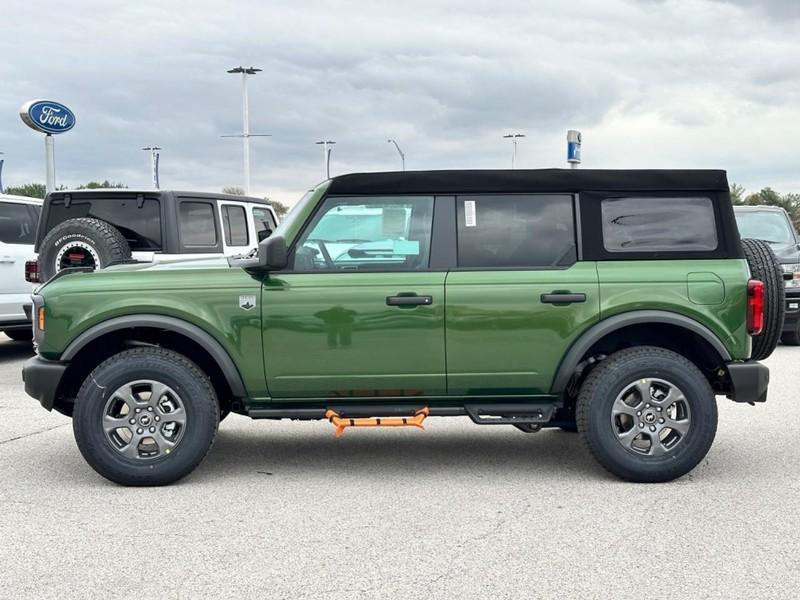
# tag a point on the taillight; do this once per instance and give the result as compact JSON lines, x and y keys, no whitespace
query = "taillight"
{"x":755,"y":307}
{"x":32,"y":271}
{"x":40,"y":318}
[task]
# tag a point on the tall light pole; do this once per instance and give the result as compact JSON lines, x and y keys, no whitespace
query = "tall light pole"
{"x":327,"y":155}
{"x":154,"y":157}
{"x":1,"y":174}
{"x":246,"y":135}
{"x":514,"y":137}
{"x":400,"y":152}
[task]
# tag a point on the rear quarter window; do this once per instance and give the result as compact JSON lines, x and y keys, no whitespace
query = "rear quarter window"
{"x":139,"y":221}
{"x":197,"y":226}
{"x":658,"y":224}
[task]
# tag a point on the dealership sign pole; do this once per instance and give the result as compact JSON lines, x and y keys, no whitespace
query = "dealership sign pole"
{"x":49,"y":118}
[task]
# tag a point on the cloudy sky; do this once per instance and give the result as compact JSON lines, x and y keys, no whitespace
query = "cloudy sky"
{"x":651,"y":83}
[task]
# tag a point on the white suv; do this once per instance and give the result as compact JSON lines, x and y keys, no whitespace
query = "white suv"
{"x":18,"y":219}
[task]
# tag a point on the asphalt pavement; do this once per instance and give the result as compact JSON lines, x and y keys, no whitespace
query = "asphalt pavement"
{"x":285,"y":510}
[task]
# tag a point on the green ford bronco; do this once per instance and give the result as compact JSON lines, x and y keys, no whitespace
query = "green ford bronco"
{"x":617,"y":304}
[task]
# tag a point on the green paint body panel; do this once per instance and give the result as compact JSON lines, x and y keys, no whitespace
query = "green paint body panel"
{"x":664,"y":285}
{"x":203,"y":292}
{"x":332,"y":335}
{"x":501,"y":338}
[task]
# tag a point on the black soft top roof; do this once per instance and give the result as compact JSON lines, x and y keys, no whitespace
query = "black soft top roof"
{"x":529,"y":180}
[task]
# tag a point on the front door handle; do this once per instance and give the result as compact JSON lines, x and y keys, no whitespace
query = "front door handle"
{"x":408,"y":300}
{"x":563,"y":298}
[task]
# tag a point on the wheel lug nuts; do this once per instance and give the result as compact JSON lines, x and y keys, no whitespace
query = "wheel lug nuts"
{"x":150,"y":408}
{"x":140,"y":431}
{"x":647,"y":405}
{"x":659,"y":409}
{"x":132,"y":421}
{"x":158,"y":418}
{"x":661,"y":420}
{"x":152,"y":430}
{"x":638,"y":413}
{"x":652,"y":427}
{"x":641,"y":425}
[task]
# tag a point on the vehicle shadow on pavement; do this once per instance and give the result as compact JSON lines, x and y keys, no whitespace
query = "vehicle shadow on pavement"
{"x":10,"y":350}
{"x":502,"y":451}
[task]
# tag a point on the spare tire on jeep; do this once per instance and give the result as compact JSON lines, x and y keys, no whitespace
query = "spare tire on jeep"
{"x":765,"y":267}
{"x":82,"y":242}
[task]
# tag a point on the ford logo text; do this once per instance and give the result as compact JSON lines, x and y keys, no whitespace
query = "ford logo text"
{"x":47,"y":116}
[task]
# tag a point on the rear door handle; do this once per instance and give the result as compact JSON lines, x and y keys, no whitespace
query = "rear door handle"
{"x":563,"y":298}
{"x":408,"y":300}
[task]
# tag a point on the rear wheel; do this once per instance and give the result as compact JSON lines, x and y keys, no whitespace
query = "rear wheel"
{"x":765,"y":267}
{"x":647,"y":414}
{"x":146,"y":416}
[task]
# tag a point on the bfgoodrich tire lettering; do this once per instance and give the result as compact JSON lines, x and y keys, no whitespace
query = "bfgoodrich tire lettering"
{"x":610,"y":379}
{"x":175,"y":372}
{"x":100,"y":241}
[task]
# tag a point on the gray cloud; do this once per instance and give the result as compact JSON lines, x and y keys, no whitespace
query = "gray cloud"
{"x":672,"y":83}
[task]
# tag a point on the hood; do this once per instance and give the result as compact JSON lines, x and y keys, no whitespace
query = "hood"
{"x":786,"y":253}
{"x":165,"y":264}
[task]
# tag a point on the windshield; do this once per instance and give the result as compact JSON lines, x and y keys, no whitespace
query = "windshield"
{"x":770,"y":226}
{"x":298,"y":212}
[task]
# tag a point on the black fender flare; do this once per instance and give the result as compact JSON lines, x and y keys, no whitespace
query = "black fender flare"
{"x":603,"y":328}
{"x":179,"y":326}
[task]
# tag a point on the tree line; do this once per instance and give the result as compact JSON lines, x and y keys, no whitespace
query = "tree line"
{"x":38,"y":190}
{"x":789,"y":202}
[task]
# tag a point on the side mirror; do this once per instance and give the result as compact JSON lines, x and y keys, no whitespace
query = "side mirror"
{"x":273,"y":254}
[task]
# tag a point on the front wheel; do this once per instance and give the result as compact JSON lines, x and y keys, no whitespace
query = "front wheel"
{"x":647,"y":414}
{"x":146,"y":416}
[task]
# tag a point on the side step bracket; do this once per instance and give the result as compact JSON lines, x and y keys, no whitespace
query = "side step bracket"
{"x":510,"y":414}
{"x":342,"y":423}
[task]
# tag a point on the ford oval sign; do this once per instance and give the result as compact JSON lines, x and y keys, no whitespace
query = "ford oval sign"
{"x":47,"y":116}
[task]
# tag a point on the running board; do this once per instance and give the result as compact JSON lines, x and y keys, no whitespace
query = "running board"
{"x":510,"y":414}
{"x":342,"y":423}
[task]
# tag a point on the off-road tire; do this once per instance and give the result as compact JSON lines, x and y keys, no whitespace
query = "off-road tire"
{"x":165,"y":366}
{"x":765,"y":267}
{"x":20,"y":335}
{"x":107,"y":242}
{"x":610,"y":378}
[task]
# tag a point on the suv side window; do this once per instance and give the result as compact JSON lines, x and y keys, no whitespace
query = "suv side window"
{"x":198,"y":227}
{"x":263,"y":220}
{"x":16,"y":224}
{"x":653,"y":224}
{"x":524,"y":231}
{"x":368,"y":233}
{"x":234,"y":225}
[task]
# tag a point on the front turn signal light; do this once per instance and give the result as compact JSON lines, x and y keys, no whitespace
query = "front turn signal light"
{"x":40,"y":318}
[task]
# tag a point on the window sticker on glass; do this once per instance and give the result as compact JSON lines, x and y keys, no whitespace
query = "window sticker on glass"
{"x":470,"y":216}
